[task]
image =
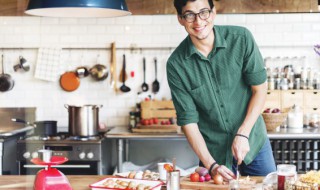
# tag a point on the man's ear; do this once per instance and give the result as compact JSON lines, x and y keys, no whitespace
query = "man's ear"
{"x":180,"y":20}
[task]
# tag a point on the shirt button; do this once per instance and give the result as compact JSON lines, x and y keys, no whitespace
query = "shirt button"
{"x":218,"y":91}
{"x":227,"y":121}
{"x":221,"y":105}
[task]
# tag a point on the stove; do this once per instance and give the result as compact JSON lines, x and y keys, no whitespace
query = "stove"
{"x":85,"y":154}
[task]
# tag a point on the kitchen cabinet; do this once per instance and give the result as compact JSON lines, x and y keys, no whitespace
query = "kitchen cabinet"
{"x":292,"y":97}
{"x":308,"y":100}
{"x":273,"y":99}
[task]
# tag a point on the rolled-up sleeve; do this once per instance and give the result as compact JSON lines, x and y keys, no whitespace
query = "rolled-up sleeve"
{"x":253,"y":66}
{"x":183,"y":102}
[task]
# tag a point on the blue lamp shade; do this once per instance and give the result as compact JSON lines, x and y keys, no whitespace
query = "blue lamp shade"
{"x":78,"y":8}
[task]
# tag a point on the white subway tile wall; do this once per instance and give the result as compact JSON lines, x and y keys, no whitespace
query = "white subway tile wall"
{"x":284,"y":35}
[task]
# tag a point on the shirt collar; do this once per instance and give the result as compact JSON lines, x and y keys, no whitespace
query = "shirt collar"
{"x":219,"y":42}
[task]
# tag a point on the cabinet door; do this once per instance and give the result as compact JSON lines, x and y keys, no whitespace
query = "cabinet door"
{"x":312,"y":99}
{"x":273,"y":99}
{"x":292,"y":97}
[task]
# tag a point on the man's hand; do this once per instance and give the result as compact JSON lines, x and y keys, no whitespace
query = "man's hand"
{"x":224,"y":172}
{"x":240,"y":148}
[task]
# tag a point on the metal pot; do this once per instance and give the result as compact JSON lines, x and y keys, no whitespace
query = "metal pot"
{"x":83,"y":120}
{"x":41,"y":128}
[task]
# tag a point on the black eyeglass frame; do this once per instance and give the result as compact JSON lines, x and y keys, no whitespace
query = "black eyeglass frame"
{"x":196,"y":15}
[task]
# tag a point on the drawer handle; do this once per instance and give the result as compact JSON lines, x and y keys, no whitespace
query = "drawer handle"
{"x":315,"y":109}
{"x":268,"y":92}
{"x":315,"y":92}
{"x":293,"y":92}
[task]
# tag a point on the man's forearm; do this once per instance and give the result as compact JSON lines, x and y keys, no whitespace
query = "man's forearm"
{"x":254,"y":108}
{"x":198,"y":144}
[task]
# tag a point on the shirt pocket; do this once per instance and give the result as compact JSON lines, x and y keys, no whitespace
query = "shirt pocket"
{"x":202,"y":98}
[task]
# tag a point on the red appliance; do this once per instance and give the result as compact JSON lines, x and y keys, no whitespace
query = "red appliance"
{"x":51,"y":178}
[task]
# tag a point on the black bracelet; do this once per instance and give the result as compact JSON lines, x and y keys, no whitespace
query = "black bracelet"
{"x":211,"y":167}
{"x":241,"y":135}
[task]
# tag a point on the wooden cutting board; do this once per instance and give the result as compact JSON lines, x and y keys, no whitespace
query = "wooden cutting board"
{"x":185,"y":183}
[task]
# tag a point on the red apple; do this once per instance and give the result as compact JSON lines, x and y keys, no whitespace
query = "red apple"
{"x":275,"y":110}
{"x":268,"y":110}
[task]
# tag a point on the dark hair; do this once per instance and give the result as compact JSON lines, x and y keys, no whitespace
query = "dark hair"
{"x":179,"y":4}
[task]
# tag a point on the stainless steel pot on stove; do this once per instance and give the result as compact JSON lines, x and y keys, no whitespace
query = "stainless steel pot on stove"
{"x":83,"y":120}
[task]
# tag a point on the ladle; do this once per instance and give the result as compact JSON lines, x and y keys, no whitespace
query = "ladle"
{"x":155,"y":84}
{"x":124,"y":88}
{"x":144,"y":85}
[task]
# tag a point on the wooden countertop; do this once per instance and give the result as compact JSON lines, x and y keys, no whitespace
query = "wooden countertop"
{"x":122,"y":132}
{"x":25,"y":182}
{"x":78,"y":182}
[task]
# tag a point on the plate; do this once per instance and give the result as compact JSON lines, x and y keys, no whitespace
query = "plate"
{"x":55,"y":160}
{"x":154,"y":185}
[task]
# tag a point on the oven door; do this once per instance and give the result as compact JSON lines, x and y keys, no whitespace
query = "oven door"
{"x":69,"y":168}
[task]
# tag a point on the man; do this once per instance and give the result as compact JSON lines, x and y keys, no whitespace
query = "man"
{"x":218,"y":86}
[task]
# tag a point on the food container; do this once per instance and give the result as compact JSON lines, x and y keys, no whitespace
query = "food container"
{"x":125,"y":183}
{"x":295,"y":118}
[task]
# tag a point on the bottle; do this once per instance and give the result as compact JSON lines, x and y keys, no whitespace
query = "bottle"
{"x":132,"y":119}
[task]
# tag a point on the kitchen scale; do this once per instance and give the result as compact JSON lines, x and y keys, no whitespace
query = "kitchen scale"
{"x":51,"y":178}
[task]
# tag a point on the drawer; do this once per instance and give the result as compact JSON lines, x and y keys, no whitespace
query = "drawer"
{"x":312,"y":99}
{"x":290,"y":98}
{"x":311,"y":110}
{"x":273,"y":100}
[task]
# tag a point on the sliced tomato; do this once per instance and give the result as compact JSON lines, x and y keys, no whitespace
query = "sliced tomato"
{"x":168,"y":167}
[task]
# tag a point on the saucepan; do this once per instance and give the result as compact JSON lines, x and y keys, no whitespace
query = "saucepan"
{"x":41,"y":128}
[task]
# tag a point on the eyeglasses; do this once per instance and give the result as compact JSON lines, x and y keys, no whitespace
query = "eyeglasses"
{"x":191,"y":17}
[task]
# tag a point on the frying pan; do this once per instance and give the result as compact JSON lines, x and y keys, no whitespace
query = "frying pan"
{"x":69,"y":81}
{"x":6,"y":81}
{"x":41,"y":128}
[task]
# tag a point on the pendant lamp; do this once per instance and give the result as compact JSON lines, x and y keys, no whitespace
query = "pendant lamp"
{"x":78,"y":8}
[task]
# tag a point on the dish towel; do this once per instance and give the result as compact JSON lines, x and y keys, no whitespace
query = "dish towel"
{"x":48,"y":64}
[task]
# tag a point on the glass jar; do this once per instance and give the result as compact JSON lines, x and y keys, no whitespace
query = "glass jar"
{"x":132,"y":120}
{"x":314,"y":120}
{"x":284,"y":84}
{"x":271,"y":84}
{"x":297,"y":84}
{"x":306,"y":120}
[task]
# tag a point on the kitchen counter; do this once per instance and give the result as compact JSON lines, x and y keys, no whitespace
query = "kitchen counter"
{"x":78,"y":182}
{"x":122,"y":132}
{"x":21,"y":182}
{"x":122,"y":135}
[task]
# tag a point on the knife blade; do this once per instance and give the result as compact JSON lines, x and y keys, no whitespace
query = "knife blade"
{"x":238,"y":173}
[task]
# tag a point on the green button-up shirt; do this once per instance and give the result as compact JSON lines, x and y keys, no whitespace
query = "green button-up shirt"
{"x":214,"y":91}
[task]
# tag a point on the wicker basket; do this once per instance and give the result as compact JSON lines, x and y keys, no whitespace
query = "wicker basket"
{"x":274,"y":120}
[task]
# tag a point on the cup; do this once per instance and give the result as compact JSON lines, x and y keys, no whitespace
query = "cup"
{"x":285,"y":172}
{"x":45,"y":155}
{"x":173,"y":180}
{"x":162,"y":171}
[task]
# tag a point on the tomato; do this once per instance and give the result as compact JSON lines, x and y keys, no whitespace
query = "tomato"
{"x":194,"y":177}
{"x":168,"y":167}
{"x":150,"y":121}
{"x":155,"y":120}
{"x":145,"y":122}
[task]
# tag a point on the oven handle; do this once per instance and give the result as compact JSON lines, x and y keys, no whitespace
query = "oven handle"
{"x":57,"y":166}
